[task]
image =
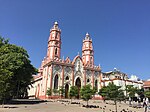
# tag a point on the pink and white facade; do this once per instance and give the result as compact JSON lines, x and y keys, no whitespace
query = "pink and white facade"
{"x":56,"y":72}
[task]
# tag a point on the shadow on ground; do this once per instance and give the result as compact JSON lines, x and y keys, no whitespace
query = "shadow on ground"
{"x":26,"y":101}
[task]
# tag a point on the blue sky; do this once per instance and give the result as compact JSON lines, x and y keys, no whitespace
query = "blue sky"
{"x":120,"y":30}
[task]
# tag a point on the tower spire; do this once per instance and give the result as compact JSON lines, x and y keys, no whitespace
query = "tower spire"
{"x":54,"y":42}
{"x":87,"y":50}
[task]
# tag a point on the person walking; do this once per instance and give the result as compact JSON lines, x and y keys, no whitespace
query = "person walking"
{"x":145,"y":104}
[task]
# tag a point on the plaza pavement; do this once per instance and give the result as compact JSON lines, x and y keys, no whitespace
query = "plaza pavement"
{"x":59,"y":106}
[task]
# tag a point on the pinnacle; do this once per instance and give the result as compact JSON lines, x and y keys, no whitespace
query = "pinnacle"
{"x":87,"y":36}
{"x":56,"y":23}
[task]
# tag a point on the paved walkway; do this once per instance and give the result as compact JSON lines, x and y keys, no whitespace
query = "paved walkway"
{"x":59,"y":106}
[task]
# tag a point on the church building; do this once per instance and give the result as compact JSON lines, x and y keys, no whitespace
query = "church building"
{"x":55,"y":72}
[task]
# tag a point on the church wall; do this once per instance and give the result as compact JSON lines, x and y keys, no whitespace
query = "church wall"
{"x":44,"y":82}
{"x":68,"y":74}
{"x":78,"y":71}
{"x":48,"y":78}
{"x":35,"y":88}
{"x":57,"y":70}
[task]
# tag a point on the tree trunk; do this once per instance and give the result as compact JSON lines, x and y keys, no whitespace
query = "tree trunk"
{"x":3,"y":102}
{"x":132,"y":102}
{"x":87,"y":103}
{"x":18,"y":89}
{"x":71,"y":100}
{"x":116,"y":105}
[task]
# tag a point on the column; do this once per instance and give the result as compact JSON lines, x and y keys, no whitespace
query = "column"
{"x":46,"y":76}
{"x":84,"y":77}
{"x":72,"y":76}
{"x":92,"y":79}
{"x":62,"y":74}
{"x":51,"y":76}
{"x":100,"y":80}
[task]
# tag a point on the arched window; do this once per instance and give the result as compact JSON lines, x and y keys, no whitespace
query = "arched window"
{"x":91,"y":59}
{"x":56,"y":43}
{"x":56,"y":51}
{"x":96,"y":85}
{"x":88,"y":80}
{"x":67,"y":78}
{"x":56,"y":82}
{"x":56,"y":35}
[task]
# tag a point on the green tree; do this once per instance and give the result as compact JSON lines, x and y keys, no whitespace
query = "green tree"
{"x":73,"y":92}
{"x":103,"y":92}
{"x":49,"y":92}
{"x":86,"y":93}
{"x":55,"y":91}
{"x":140,"y":93}
{"x":131,"y":90}
{"x":147,"y":94}
{"x":16,"y":71}
{"x":61,"y":91}
{"x":121,"y":96}
{"x":94,"y":90}
{"x":112,"y":92}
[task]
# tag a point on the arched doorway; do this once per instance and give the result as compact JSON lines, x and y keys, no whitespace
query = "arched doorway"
{"x":78,"y":84}
{"x":56,"y":82}
{"x":66,"y":90}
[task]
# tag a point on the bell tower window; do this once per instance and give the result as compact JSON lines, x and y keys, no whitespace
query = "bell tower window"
{"x":56,"y":51}
{"x":56,"y":43}
{"x":91,"y":60}
{"x":56,"y":35}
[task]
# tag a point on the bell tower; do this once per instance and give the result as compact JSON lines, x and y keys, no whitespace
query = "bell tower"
{"x":54,"y":42}
{"x":87,"y":51}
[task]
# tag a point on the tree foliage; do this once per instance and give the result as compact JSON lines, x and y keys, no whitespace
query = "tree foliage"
{"x":49,"y":92}
{"x":140,"y":92}
{"x":16,"y":71}
{"x":86,"y":93}
{"x":103,"y":92}
{"x":147,"y":93}
{"x":55,"y":91}
{"x":73,"y":91}
{"x":131,"y":90}
{"x":61,"y":90}
{"x":112,"y":92}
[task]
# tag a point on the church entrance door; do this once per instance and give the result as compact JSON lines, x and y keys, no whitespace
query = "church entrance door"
{"x":66,"y":90}
{"x":78,"y":84}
